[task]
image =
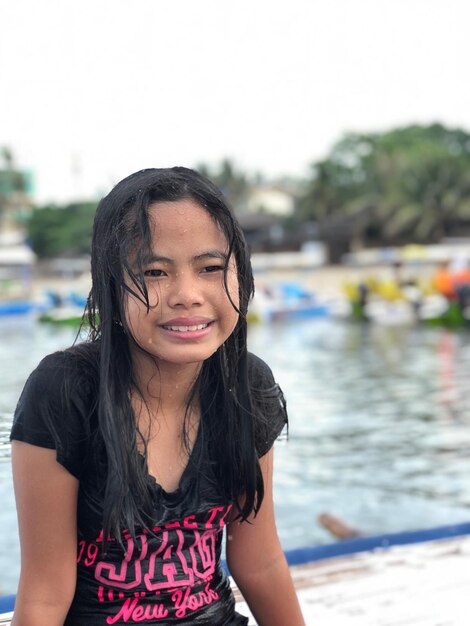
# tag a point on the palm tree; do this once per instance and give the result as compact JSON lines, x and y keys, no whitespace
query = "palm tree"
{"x":407,"y":184}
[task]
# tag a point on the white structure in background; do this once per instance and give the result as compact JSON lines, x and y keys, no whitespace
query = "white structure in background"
{"x":16,"y":266}
{"x":456,"y":250}
{"x":311,"y":256}
{"x":270,"y":199}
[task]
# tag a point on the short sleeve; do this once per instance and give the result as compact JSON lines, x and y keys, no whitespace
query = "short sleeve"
{"x":52,"y":409}
{"x":269,"y":405}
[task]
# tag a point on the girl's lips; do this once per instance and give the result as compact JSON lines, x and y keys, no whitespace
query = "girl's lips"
{"x":193,"y":320}
{"x":185,"y":328}
{"x":187,"y":332}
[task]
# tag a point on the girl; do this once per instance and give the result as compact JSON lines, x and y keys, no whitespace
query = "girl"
{"x":132,"y":451}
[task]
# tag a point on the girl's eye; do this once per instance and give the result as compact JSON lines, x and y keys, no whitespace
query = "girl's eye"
{"x":154,"y":273}
{"x":213,"y":268}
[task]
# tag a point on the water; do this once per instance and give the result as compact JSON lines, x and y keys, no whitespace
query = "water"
{"x":379,"y":425}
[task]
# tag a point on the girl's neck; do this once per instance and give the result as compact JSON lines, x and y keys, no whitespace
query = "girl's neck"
{"x":168,"y":384}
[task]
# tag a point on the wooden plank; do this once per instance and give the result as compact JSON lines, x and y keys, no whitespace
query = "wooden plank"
{"x":5,"y":619}
{"x":424,"y":584}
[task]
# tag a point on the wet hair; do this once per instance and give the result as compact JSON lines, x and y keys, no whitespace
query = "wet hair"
{"x":121,"y":245}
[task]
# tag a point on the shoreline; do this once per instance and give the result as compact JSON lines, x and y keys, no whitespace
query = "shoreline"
{"x":324,"y":280}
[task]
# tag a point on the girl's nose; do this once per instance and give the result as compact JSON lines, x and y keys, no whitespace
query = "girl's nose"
{"x":185,"y":291}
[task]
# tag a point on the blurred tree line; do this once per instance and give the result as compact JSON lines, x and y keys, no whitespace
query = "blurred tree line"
{"x":55,"y":231}
{"x":408,"y":184}
{"x":405,"y":185}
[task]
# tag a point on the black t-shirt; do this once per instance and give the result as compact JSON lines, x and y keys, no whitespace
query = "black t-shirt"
{"x":167,"y":574}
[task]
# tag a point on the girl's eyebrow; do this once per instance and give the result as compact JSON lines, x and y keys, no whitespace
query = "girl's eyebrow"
{"x":209,"y":254}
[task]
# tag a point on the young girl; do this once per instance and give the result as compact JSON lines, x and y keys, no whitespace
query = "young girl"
{"x":133,"y":450}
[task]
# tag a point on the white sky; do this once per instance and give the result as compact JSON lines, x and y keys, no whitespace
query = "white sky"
{"x":91,"y":91}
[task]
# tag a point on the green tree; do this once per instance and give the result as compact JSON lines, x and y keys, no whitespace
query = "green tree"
{"x":234,"y":183}
{"x":408,"y":184}
{"x":62,"y":231}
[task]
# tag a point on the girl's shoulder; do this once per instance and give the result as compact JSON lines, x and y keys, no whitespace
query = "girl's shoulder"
{"x":74,"y":367}
{"x":259,"y":372}
{"x":64,"y":383}
{"x":269,"y":405}
{"x":57,"y":406}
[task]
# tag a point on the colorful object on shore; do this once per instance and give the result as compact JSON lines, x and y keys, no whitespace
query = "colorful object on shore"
{"x":63,"y":315}
{"x":443,"y":300}
{"x":51,"y":308}
{"x":16,"y":307}
{"x":283,"y":301}
{"x":64,"y":311}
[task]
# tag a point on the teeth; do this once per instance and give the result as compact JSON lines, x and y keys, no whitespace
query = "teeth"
{"x":185,"y":329}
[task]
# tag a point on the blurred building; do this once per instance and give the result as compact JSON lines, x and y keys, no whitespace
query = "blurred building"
{"x":270,"y":199}
{"x":265,"y":220}
{"x":16,"y":193}
{"x":16,"y":258}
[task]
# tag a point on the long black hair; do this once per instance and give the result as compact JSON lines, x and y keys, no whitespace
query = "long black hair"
{"x":121,"y":243}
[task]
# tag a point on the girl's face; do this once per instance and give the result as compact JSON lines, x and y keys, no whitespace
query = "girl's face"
{"x":190,"y":312}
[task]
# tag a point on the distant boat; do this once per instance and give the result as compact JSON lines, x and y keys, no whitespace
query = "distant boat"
{"x":284,"y":300}
{"x":16,"y":307}
{"x":63,"y":316}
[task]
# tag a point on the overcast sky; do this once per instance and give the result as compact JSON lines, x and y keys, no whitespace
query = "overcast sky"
{"x":91,"y":91}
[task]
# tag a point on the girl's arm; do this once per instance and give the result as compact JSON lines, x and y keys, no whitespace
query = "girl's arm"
{"x":46,"y":502}
{"x":258,"y":565}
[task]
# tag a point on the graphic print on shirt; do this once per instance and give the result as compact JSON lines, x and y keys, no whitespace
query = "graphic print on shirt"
{"x":163,"y":573}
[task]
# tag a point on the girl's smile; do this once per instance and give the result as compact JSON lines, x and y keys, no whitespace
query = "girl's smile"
{"x":188,"y":328}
